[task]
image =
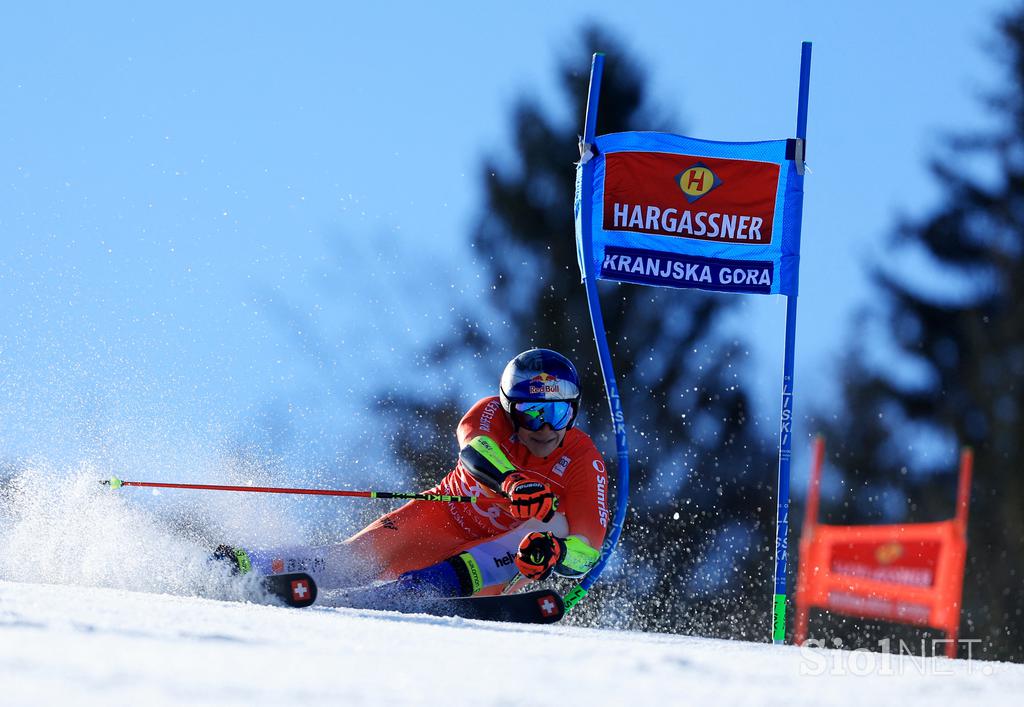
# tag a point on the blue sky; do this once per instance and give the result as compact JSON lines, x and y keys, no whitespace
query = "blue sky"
{"x":209,"y":213}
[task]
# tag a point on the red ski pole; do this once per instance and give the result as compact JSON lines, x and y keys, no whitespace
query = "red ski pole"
{"x":116,"y":483}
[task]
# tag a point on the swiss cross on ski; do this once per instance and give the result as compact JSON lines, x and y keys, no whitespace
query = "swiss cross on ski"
{"x":296,"y":589}
{"x":547,"y":606}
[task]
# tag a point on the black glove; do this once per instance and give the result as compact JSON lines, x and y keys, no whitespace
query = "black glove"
{"x":538,"y":555}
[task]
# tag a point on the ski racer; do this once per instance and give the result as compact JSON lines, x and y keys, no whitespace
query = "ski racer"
{"x":520,"y":445}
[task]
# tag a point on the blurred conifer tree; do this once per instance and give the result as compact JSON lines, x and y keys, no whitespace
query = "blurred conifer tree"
{"x":953,"y":374}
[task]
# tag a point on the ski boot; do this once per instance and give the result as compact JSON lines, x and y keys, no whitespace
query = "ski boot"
{"x":296,"y":589}
{"x":235,"y":557}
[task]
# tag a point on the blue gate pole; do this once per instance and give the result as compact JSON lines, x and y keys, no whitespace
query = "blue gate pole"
{"x":786,"y":419}
{"x":600,"y":338}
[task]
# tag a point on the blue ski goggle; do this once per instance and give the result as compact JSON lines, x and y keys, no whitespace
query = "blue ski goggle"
{"x":534,"y":415}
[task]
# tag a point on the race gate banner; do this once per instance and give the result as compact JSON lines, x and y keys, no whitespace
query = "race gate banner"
{"x":909,"y":573}
{"x":673,"y":211}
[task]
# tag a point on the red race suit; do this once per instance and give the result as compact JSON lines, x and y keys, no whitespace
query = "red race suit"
{"x":421,"y":533}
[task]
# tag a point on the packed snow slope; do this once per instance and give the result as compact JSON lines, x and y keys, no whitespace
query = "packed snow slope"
{"x":87,"y":645}
{"x":107,"y":598}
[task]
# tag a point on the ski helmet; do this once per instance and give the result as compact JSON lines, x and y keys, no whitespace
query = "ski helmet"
{"x":541,"y":376}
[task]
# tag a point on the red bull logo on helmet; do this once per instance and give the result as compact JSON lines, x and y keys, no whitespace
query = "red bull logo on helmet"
{"x":543,"y":384}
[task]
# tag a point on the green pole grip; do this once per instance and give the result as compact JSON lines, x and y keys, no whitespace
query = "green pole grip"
{"x":573,"y":597}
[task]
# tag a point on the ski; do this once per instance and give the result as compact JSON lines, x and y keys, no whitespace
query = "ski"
{"x":541,"y":606}
{"x":295,"y":589}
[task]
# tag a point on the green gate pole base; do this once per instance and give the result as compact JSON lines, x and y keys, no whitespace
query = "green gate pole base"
{"x":779,"y":634}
